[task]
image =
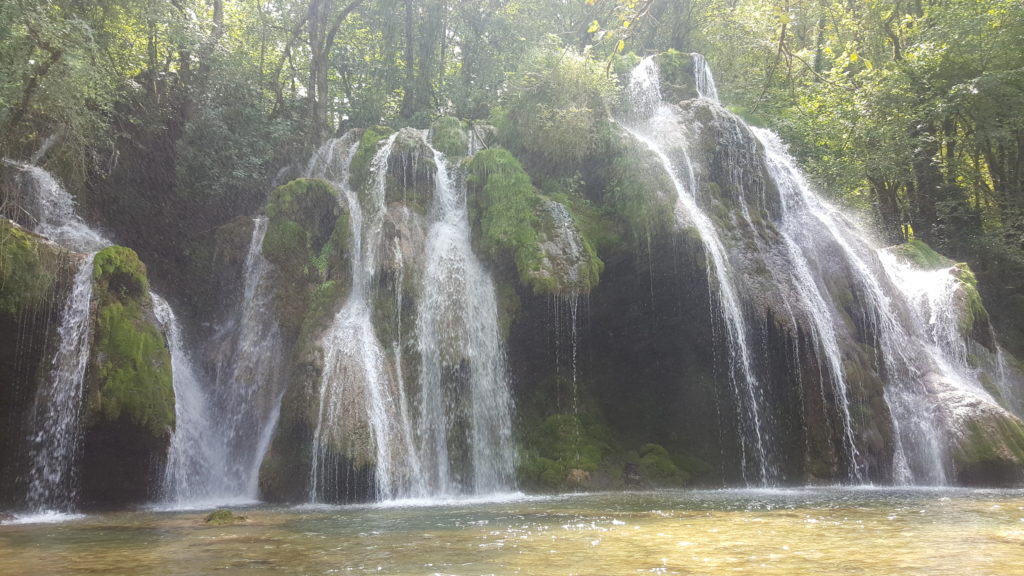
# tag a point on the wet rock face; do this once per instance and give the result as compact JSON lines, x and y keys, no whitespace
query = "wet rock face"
{"x":130,"y":396}
{"x":35,"y":277}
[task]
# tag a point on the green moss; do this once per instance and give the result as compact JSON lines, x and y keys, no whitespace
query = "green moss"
{"x":359,"y":168}
{"x":505,"y":205}
{"x":28,"y":269}
{"x":308,"y":239}
{"x":675,"y":70}
{"x":657,"y":467}
{"x":223,"y":517}
{"x":130,"y":373}
{"x":999,"y":441}
{"x":922,"y":255}
{"x":118,"y":271}
{"x":448,"y":135}
{"x":638,"y":191}
{"x":513,"y":221}
{"x":975,"y":313}
{"x":561,"y":443}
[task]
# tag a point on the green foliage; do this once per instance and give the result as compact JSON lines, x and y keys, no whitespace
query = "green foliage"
{"x":130,"y":375}
{"x":448,"y":135}
{"x":559,"y":444}
{"x":657,"y":467}
{"x":556,"y":111}
{"x":506,"y":207}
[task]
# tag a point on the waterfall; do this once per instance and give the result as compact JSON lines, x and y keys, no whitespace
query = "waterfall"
{"x":449,"y":432}
{"x":249,"y":389}
{"x":56,"y":438}
{"x":660,"y":132}
{"x":355,"y":384}
{"x":911,"y":317}
{"x":196,"y":457}
{"x":704,"y":80}
{"x":463,"y":383}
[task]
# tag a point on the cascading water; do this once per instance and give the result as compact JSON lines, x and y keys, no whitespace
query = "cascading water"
{"x":196,"y":454}
{"x":655,"y":125}
{"x":464,"y":396}
{"x":703,"y":78}
{"x":356,"y":384}
{"x":913,"y":316}
{"x":451,"y":433}
{"x":55,"y":442}
{"x":248,"y":392}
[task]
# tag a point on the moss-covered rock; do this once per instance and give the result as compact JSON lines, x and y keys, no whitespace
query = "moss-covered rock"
{"x":990,"y":451}
{"x":676,"y":72}
{"x":223,"y":517}
{"x":129,"y":413}
{"x":130,"y":366}
{"x":513,"y":221}
{"x":411,"y":171}
{"x":307,"y":240}
{"x":921,"y":255}
{"x":359,"y":169}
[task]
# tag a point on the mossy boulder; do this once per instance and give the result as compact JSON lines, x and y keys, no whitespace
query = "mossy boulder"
{"x":29,"y":268}
{"x":129,"y":414}
{"x":359,"y":171}
{"x":411,"y":171}
{"x":990,"y":451}
{"x":308,"y":240}
{"x":130,"y":371}
{"x":677,"y":75}
{"x":922,"y":255}
{"x":223,"y":518}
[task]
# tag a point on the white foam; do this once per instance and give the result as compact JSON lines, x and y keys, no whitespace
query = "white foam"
{"x":43,"y":517}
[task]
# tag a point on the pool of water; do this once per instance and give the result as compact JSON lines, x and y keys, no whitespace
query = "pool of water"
{"x":810,"y":531}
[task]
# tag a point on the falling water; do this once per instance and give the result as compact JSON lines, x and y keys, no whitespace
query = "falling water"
{"x":58,"y":404}
{"x":56,"y":440}
{"x":249,"y":387}
{"x":703,"y":78}
{"x":918,"y":457}
{"x":660,"y":132}
{"x":197,"y":454}
{"x":464,"y":396}
{"x":356,"y":384}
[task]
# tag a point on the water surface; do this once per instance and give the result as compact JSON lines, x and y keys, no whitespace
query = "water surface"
{"x":766,"y":532}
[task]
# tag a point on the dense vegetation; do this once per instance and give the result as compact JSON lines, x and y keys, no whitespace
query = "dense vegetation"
{"x":912,"y":112}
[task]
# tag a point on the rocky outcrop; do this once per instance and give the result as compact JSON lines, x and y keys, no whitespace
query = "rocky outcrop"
{"x":129,"y":412}
{"x":308,"y":242}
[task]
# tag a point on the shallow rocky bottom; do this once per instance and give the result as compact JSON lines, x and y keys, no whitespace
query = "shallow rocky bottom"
{"x":766,"y":532}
